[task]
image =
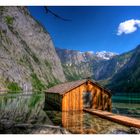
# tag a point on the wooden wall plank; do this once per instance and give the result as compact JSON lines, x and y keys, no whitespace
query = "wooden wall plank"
{"x":73,"y":100}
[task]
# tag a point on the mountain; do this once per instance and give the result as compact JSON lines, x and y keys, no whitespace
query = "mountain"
{"x":128,"y":77}
{"x":105,"y":55}
{"x":27,"y":54}
{"x":106,"y":69}
{"x":100,"y":66}
{"x":120,"y":73}
{"x":78,"y":65}
{"x":29,"y":59}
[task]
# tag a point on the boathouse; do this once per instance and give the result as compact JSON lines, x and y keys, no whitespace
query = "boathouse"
{"x":78,"y":95}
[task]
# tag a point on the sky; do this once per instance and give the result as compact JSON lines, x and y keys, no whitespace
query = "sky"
{"x":92,"y":28}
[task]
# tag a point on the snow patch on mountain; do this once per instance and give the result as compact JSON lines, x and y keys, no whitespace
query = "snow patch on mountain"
{"x":105,"y":55}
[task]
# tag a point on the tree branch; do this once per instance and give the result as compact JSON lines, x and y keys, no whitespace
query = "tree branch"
{"x":54,"y":14}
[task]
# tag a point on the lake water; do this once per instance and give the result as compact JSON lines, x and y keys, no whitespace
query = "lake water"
{"x":126,"y":98}
{"x":76,"y":122}
{"x":126,"y":104}
{"x":19,"y":107}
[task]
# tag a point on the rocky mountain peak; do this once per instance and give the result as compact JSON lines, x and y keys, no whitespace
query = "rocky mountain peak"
{"x":105,"y":55}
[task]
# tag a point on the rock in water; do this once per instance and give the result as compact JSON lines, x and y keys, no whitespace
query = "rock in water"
{"x":33,"y":129}
{"x":134,"y":130}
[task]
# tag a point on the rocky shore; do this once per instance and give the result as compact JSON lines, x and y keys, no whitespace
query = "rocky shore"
{"x":11,"y":128}
{"x":7,"y":127}
{"x":131,"y":130}
{"x":20,"y":114}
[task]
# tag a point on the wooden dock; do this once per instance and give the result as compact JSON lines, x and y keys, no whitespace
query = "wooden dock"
{"x":128,"y":121}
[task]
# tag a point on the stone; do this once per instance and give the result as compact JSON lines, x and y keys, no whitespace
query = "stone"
{"x":134,"y":130}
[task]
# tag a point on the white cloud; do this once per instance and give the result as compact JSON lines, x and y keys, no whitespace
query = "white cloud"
{"x":128,"y":26}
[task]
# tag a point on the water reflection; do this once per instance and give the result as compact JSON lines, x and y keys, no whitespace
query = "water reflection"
{"x":127,"y":109}
{"x":126,"y":104}
{"x":18,"y":107}
{"x":126,"y":98}
{"x":73,"y":121}
{"x":84,"y":123}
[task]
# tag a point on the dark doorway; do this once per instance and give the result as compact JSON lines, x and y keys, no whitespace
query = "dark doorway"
{"x":87,"y":99}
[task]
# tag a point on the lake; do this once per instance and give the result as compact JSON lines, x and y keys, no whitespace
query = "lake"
{"x":126,"y":104}
{"x":79,"y":122}
{"x":22,"y":106}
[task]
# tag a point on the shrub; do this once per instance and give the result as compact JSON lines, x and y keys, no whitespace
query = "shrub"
{"x":37,"y":83}
{"x":53,"y":83}
{"x":34,"y":100}
{"x":48,"y":64}
{"x":9,"y":20}
{"x":13,"y":87}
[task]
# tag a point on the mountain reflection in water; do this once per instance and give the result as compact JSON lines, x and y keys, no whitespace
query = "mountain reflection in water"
{"x":127,"y":104}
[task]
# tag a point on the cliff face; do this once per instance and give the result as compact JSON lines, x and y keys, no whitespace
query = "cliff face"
{"x":128,"y":77}
{"x":107,"y":68}
{"x":76,"y":65}
{"x":28,"y":59}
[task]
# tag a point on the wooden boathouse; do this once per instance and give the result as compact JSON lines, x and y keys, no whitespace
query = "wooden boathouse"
{"x":77,"y":95}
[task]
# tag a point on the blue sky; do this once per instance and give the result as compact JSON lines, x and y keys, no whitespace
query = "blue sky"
{"x":94,"y":28}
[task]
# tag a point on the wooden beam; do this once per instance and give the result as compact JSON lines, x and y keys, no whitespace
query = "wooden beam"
{"x":128,"y":121}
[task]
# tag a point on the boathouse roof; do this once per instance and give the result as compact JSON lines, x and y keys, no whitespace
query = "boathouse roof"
{"x":65,"y":87}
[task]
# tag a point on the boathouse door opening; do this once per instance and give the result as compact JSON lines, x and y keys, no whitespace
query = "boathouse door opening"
{"x":87,"y":99}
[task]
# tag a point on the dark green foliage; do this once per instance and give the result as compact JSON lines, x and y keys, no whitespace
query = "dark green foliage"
{"x":34,"y":100}
{"x":13,"y":87}
{"x":124,"y":56}
{"x":73,"y":77}
{"x":70,"y":74}
{"x":51,"y":84}
{"x":128,"y":79}
{"x":25,"y":60}
{"x":30,"y":52}
{"x":48,"y":64}
{"x":9,"y":20}
{"x":1,"y":34}
{"x":35,"y":58}
{"x":1,"y":10}
{"x":37,"y":83}
{"x":55,"y":82}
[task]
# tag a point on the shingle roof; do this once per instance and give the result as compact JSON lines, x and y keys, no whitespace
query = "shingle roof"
{"x":65,"y":87}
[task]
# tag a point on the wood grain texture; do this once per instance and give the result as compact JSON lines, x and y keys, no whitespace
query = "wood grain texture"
{"x":73,"y":99}
{"x":128,"y":121}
